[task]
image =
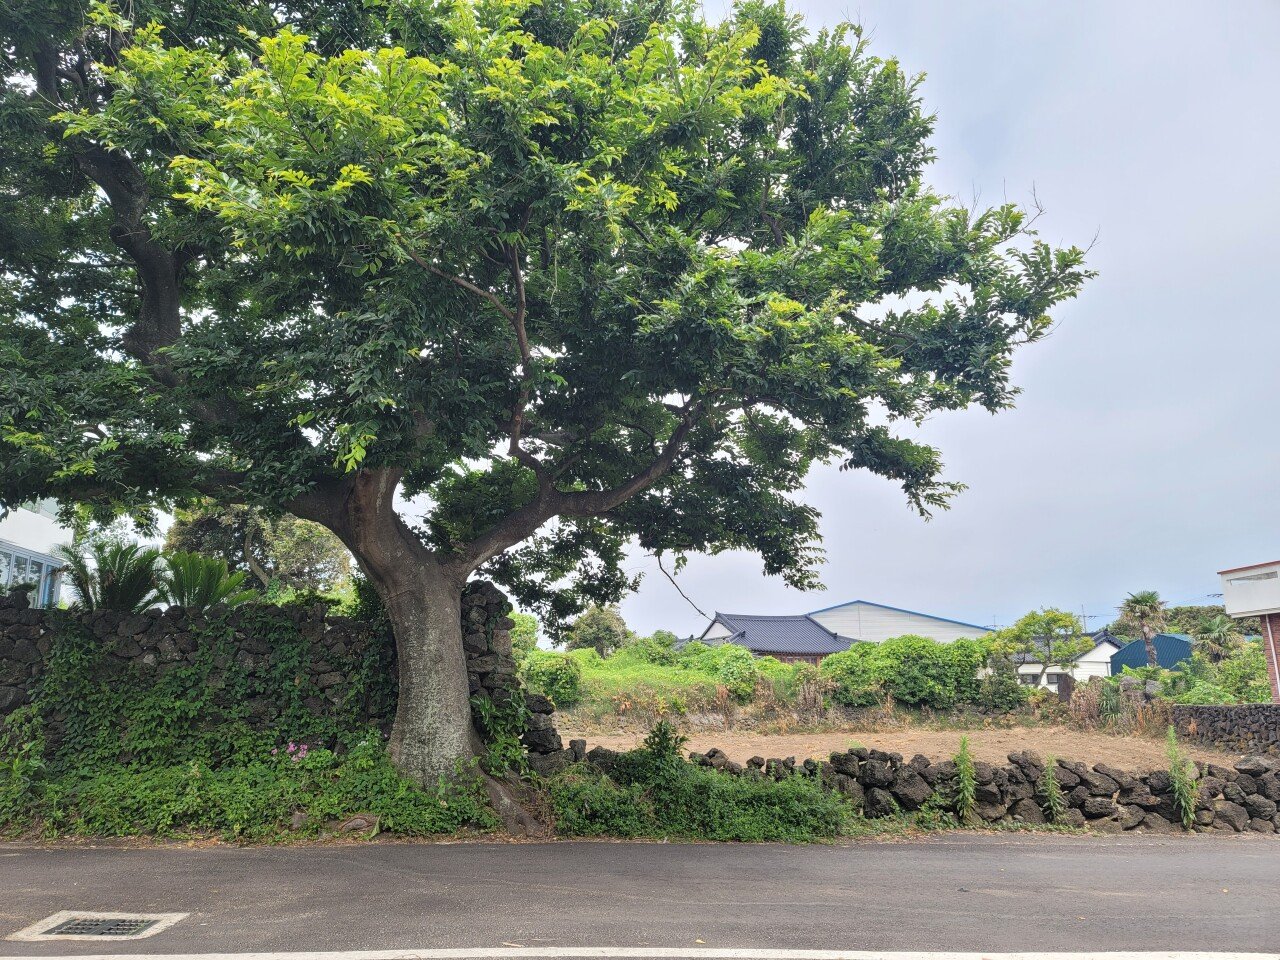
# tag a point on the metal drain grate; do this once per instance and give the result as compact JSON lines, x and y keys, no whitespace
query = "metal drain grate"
{"x":84,"y":925}
{"x":108,"y":927}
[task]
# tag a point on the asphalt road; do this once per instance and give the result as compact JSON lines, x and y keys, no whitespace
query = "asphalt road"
{"x":979,"y":893}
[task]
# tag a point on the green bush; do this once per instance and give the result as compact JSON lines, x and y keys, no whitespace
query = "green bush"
{"x":654,"y":792}
{"x":555,"y":675}
{"x":853,"y":675}
{"x":734,"y":667}
{"x":1000,"y":689}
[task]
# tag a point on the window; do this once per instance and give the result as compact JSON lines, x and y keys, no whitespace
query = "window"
{"x":18,"y":568}
{"x":1028,"y":679}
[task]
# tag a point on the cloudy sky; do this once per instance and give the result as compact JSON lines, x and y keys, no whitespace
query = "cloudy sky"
{"x":1143,"y":452}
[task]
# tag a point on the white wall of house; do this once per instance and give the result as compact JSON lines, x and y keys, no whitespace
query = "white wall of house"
{"x":1095,"y":663}
{"x":716,"y":634}
{"x":28,"y":538}
{"x":869,"y":622}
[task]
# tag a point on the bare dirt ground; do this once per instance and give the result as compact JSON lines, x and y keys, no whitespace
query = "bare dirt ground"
{"x":1135,"y":753}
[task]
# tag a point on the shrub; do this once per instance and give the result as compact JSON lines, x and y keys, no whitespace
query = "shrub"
{"x":555,"y":675}
{"x":917,"y":671}
{"x":196,"y":582}
{"x":853,"y":676}
{"x":1000,"y":689}
{"x":1052,"y":800}
{"x":113,"y":575}
{"x":733,"y":666}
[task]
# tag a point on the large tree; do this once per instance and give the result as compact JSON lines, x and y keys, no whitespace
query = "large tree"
{"x":575,"y":275}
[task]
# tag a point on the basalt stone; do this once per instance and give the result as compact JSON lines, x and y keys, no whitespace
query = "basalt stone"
{"x":1256,"y":766}
{"x":1247,"y":784}
{"x":1072,"y":818}
{"x":1122,"y":780}
{"x":1155,"y":823}
{"x":1095,"y":807}
{"x":542,"y":741}
{"x":911,"y":789}
{"x":849,"y":787}
{"x":942,"y":772}
{"x":1028,"y":811}
{"x":845,"y":763}
{"x":1232,"y":814}
{"x":1260,"y":825}
{"x":603,"y":758}
{"x":11,"y":698}
{"x":548,"y":764}
{"x":1159,"y":781}
{"x":579,"y":748}
{"x":1067,"y":778}
{"x":537,"y":703}
{"x":1028,"y":762}
{"x":1233,"y":793}
{"x":1269,"y":786}
{"x":879,"y":802}
{"x":876,"y":773}
{"x":990,"y":812}
{"x":540,"y":721}
{"x":1260,"y":807}
{"x":1130,"y":816}
{"x":1219,"y":771}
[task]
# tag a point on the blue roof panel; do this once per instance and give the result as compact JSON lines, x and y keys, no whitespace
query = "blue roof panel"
{"x":1171,"y":649}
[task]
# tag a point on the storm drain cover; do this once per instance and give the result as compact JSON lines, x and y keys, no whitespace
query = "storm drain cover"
{"x":81,"y":925}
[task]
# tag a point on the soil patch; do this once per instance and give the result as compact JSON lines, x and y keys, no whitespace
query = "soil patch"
{"x":1134,"y":753}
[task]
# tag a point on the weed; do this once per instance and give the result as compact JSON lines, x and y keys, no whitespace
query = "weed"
{"x":966,"y":784}
{"x":1052,"y":800}
{"x":1182,"y":778}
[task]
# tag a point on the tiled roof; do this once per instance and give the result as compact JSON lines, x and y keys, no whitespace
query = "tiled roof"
{"x":791,"y":635}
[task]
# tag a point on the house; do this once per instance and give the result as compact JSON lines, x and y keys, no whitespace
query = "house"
{"x":876,"y":622}
{"x":28,"y":537}
{"x":1095,"y":663}
{"x":1171,"y":650}
{"x":791,"y":639}
{"x":1254,"y":591}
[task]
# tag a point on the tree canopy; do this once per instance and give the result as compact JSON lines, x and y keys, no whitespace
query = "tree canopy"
{"x":595,"y":260}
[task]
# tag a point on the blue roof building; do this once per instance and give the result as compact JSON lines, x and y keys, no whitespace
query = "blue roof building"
{"x":1171,"y":650}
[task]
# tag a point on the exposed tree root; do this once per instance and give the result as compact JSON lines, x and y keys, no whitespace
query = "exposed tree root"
{"x":517,"y":806}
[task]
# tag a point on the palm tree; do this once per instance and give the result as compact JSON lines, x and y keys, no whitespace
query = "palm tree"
{"x":196,"y":582}
{"x":1145,"y":610}
{"x":1218,"y":637}
{"x":113,"y":575}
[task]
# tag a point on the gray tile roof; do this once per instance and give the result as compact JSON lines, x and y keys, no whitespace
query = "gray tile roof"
{"x":790,"y":635}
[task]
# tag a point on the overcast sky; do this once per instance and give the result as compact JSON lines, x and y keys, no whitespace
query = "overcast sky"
{"x":1143,"y":452}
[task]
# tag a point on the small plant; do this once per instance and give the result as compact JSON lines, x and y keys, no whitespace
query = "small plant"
{"x":966,"y":783}
{"x":112,"y":575}
{"x":664,"y":742}
{"x":1182,"y":778}
{"x":1052,"y":800}
{"x":502,"y":723}
{"x":196,"y":582}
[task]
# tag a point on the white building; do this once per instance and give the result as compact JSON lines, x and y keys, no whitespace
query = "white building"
{"x":1254,"y":591}
{"x":1095,"y":663}
{"x":28,"y":538}
{"x":865,"y":621}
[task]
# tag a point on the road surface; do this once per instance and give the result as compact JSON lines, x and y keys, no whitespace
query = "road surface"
{"x":956,"y":893}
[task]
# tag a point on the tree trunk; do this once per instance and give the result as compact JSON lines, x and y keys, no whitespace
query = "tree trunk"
{"x":432,"y":734}
{"x":1149,"y":641}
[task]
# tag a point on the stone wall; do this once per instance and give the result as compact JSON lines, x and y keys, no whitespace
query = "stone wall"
{"x":139,"y":648}
{"x":1100,"y":798}
{"x":1240,"y":728}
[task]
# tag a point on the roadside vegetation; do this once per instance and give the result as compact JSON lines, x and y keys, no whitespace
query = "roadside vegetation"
{"x":617,"y":678}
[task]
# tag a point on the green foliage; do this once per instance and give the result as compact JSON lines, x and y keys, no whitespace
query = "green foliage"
{"x":914,"y":671}
{"x":259,"y":251}
{"x":1191,"y":620}
{"x":732,"y":666}
{"x":1145,"y":615}
{"x":113,"y":575}
{"x":180,"y":752}
{"x":1049,"y":637}
{"x":502,"y":722}
{"x":1000,"y":689}
{"x":196,"y":583}
{"x":653,"y":792}
{"x":554,"y":675}
{"x":1052,"y":800}
{"x":524,"y":635}
{"x":1182,"y":776}
{"x":601,"y":629}
{"x":284,"y":551}
{"x":855,"y":677}
{"x":1238,"y":676}
{"x":965,"y":788}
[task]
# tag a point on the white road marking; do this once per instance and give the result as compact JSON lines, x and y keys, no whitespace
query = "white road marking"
{"x":680,"y":953}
